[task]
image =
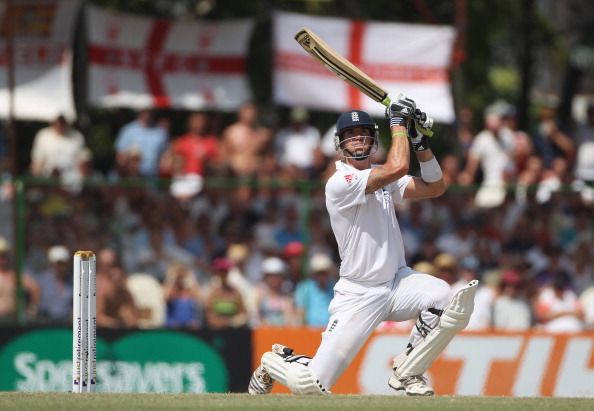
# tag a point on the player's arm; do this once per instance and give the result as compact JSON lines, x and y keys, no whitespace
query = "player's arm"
{"x":431,"y":183}
{"x":398,"y":158}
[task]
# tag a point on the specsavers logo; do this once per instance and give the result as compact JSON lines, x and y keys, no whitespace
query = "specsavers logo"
{"x":152,"y":361}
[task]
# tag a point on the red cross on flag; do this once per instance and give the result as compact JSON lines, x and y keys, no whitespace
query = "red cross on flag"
{"x":404,"y":58}
{"x":143,"y":62}
{"x":41,"y":57}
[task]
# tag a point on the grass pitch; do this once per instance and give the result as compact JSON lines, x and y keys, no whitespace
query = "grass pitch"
{"x":12,"y":401}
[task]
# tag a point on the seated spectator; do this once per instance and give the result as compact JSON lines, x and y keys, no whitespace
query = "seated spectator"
{"x":550,"y":141}
{"x":492,"y":151}
{"x":148,"y":299}
{"x":555,"y":267}
{"x":243,"y":142}
{"x":313,"y":296}
{"x":293,"y":254}
{"x":447,"y":268}
{"x":297,"y":143}
{"x":115,"y":305}
{"x":191,"y":153}
{"x":56,"y":149}
{"x":56,"y":285}
{"x":8,"y":284}
{"x":145,"y":136}
{"x":290,"y":229}
{"x":557,"y":307}
{"x":511,"y":309}
{"x":274,"y":307}
{"x":460,"y":241}
{"x":224,"y":306}
{"x":185,"y":308}
{"x":238,"y":254}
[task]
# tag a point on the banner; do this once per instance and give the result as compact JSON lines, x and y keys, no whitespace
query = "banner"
{"x":404,"y":58}
{"x":128,"y":361}
{"x":141,"y":62}
{"x":41,"y":57}
{"x":497,"y":364}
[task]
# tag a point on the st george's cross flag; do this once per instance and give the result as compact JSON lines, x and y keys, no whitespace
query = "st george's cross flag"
{"x":413,"y":59}
{"x":141,"y":62}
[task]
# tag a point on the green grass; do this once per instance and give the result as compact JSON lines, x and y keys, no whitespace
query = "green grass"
{"x":12,"y":401}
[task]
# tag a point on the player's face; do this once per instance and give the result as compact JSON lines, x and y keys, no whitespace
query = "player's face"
{"x":357,"y":140}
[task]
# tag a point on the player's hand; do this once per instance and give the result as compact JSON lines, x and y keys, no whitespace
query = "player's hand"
{"x":424,"y":123}
{"x":401,"y":111}
{"x":418,"y":139}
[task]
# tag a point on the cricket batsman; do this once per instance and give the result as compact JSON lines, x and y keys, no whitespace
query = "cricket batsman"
{"x":375,"y":282}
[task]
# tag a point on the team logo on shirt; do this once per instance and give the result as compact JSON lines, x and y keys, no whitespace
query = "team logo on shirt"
{"x":349,"y":178}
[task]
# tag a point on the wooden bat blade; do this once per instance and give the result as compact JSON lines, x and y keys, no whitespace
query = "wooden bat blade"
{"x":340,"y":66}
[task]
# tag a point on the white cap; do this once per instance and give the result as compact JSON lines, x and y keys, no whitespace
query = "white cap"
{"x":58,"y":253}
{"x":273,"y":265}
{"x":186,"y":186}
{"x":321,"y":262}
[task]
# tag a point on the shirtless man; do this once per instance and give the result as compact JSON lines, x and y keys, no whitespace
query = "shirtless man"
{"x":244,"y":141}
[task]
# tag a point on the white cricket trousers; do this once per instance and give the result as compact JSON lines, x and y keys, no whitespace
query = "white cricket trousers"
{"x":356,"y":310}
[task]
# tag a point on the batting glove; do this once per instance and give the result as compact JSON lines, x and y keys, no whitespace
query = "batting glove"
{"x":423,"y":120}
{"x":401,"y":111}
{"x":419,"y":129}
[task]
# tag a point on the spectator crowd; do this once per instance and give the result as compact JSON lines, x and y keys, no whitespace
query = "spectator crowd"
{"x":234,"y":239}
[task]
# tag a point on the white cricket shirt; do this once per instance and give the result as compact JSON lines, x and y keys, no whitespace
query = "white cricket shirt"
{"x":365,"y":226}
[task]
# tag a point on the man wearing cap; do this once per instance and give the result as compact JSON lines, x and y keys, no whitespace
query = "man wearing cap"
{"x":376,"y":284}
{"x":295,"y":144}
{"x":313,"y":295}
{"x":56,"y":287}
{"x":274,"y":306}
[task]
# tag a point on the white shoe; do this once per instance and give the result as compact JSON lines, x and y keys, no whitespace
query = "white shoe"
{"x":261,"y":382}
{"x":415,"y":385}
{"x":394,"y":382}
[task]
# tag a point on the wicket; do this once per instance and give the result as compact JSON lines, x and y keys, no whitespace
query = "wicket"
{"x":84,"y":323}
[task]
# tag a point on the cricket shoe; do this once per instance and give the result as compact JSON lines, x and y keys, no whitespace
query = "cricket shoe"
{"x":416,"y":385}
{"x":261,"y":382}
{"x":394,"y":382}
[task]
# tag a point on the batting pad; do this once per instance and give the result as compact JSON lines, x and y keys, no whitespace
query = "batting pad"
{"x":297,"y":377}
{"x":454,"y":319}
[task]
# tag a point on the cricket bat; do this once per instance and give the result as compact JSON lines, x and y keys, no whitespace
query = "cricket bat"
{"x":343,"y":68}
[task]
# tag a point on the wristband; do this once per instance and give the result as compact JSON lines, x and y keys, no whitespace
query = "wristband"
{"x":399,"y":134}
{"x":398,"y":121}
{"x":430,"y":171}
